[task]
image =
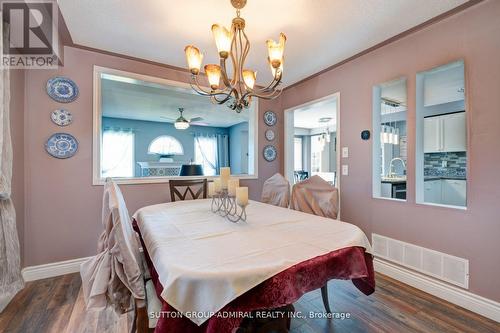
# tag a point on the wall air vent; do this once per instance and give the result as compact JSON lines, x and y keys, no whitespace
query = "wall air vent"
{"x":439,"y":265}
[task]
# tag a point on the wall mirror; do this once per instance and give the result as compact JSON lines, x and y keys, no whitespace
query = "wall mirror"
{"x":148,"y":129}
{"x":389,"y":140}
{"x":441,"y":136}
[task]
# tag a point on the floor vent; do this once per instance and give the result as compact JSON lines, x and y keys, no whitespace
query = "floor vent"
{"x":440,"y":265}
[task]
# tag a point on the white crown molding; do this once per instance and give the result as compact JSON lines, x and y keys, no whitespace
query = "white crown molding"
{"x":32,"y":273}
{"x":472,"y":302}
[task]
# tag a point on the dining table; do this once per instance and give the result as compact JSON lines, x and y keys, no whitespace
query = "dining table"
{"x":210,"y":274}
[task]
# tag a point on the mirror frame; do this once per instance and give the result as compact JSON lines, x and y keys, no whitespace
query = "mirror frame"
{"x":253,"y":137}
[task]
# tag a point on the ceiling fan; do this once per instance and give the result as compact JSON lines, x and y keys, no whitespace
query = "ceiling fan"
{"x":182,"y":123}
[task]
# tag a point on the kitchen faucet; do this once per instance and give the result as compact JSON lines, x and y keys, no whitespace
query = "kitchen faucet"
{"x":391,"y":166}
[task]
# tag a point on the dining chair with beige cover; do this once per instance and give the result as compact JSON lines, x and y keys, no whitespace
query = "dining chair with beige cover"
{"x":113,"y":277}
{"x":316,"y":196}
{"x":276,"y":191}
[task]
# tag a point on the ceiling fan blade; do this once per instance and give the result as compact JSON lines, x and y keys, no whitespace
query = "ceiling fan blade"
{"x":199,"y":123}
{"x":196,"y":119}
{"x":167,"y":118}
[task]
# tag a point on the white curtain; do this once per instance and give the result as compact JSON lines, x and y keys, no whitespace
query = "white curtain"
{"x":117,"y":153}
{"x":10,"y":262}
{"x":206,"y":153}
{"x":222,"y":150}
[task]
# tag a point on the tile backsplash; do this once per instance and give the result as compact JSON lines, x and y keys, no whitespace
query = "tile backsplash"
{"x":456,"y":164}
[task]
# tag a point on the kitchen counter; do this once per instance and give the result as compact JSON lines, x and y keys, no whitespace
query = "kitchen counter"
{"x":395,"y":180}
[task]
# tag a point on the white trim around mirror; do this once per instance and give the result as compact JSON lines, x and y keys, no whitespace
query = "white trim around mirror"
{"x":97,"y":126}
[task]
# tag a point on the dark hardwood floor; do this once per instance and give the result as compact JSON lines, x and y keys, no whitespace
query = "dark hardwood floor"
{"x":56,"y":305}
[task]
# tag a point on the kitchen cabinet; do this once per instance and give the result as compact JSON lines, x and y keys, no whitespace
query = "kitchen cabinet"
{"x":445,"y":192}
{"x":446,"y":133}
{"x":453,"y":192}
{"x":432,"y":190}
{"x":454,"y":132}
{"x":432,"y":135}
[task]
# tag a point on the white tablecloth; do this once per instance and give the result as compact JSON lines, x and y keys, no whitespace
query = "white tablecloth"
{"x":204,"y":261}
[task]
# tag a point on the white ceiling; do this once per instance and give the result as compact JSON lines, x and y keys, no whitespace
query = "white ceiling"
{"x":138,"y":100}
{"x":308,"y":117}
{"x":395,"y":90}
{"x":320,"y":32}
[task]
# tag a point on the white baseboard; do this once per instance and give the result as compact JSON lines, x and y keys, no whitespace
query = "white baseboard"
{"x":32,"y":273}
{"x":472,"y":302}
{"x":452,"y":294}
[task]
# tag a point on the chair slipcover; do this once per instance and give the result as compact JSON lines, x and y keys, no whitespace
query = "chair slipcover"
{"x":276,"y":191}
{"x":315,"y":196}
{"x":113,"y":276}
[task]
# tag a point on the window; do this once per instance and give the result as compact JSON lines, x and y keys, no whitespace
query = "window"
{"x":297,"y":154}
{"x":316,"y":149}
{"x":165,"y":145}
{"x":205,"y":153}
{"x":117,"y":153}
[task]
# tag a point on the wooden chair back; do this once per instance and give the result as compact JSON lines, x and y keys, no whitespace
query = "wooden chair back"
{"x":180,"y":188}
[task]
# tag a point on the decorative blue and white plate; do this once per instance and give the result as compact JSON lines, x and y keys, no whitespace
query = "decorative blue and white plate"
{"x":270,"y":135}
{"x":270,"y":153}
{"x":61,"y":145}
{"x":62,"y":89}
{"x":270,"y":118}
{"x":61,"y":117}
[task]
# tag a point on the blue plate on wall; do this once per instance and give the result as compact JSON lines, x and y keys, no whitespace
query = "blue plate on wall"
{"x":270,"y":153}
{"x":61,"y":145}
{"x":270,"y":118}
{"x":62,"y":89}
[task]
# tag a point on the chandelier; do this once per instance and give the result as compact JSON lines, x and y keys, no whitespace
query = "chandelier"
{"x":236,"y":91}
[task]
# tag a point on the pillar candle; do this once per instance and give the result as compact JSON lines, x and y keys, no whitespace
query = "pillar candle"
{"x":211,"y":189}
{"x":232,"y":184}
{"x":217,"y":185}
{"x":242,"y":196}
{"x":225,"y":172}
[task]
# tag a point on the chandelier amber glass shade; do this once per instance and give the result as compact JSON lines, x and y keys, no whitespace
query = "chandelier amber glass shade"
{"x":213,"y":74}
{"x":249,"y":77}
{"x":276,"y":51}
{"x":194,"y":58}
{"x":223,"y":40}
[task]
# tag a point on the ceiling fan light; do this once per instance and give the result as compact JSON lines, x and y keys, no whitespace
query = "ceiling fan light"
{"x":249,"y":76}
{"x":181,"y":124}
{"x":194,"y":58}
{"x":223,"y":39}
{"x":276,"y":50}
{"x":213,"y":74}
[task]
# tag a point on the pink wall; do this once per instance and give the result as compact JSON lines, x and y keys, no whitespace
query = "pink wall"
{"x":62,"y":206}
{"x":472,"y":35}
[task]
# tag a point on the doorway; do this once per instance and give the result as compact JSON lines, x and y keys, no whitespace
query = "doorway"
{"x":311,"y":140}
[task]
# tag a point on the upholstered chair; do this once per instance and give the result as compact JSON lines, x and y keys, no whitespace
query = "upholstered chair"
{"x":276,"y":191}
